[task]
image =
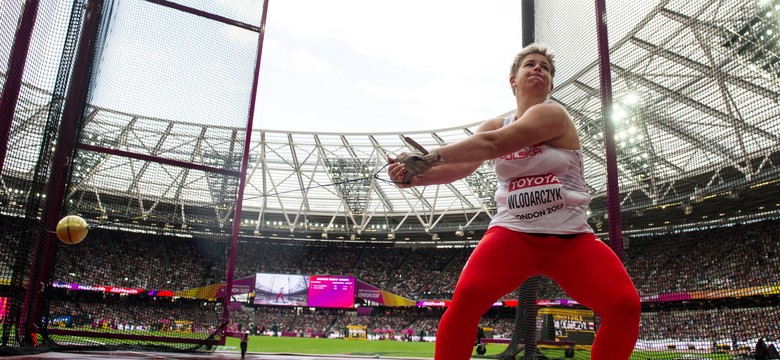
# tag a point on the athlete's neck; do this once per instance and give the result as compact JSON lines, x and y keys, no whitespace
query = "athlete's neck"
{"x":525,"y":102}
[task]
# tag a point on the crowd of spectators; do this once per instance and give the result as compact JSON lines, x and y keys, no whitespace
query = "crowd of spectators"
{"x":107,"y":312}
{"x":143,"y":261}
{"x":730,"y":258}
{"x":737,"y":257}
{"x":722,"y":324}
{"x":114,"y":313}
{"x":716,"y":323}
{"x":734,"y":261}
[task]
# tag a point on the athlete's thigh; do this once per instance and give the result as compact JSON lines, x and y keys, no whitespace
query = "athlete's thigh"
{"x":498,"y":265}
{"x":588,"y":271}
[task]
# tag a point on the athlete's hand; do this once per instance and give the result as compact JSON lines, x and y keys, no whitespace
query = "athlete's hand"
{"x":413,"y":163}
{"x":409,"y":165}
{"x":399,"y":174}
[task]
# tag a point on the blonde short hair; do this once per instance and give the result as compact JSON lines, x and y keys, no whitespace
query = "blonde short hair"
{"x":533,"y":49}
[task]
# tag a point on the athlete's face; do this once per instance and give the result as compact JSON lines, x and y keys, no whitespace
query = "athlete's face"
{"x":534,"y":73}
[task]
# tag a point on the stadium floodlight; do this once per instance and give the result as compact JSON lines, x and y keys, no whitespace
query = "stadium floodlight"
{"x":391,"y":236}
{"x":459,"y":232}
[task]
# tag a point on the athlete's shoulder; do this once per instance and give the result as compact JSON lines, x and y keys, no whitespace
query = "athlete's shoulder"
{"x":552,"y":106}
{"x":549,"y":112}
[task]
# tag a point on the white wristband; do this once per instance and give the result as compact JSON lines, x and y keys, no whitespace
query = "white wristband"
{"x":434,"y":158}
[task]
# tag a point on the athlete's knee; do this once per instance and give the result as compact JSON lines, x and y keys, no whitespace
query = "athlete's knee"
{"x":624,"y":305}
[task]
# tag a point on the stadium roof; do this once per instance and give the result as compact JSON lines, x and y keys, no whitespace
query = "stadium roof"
{"x":695,"y":88}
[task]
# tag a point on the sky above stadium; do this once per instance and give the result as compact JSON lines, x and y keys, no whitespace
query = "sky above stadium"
{"x":327,"y":66}
{"x":386,"y":66}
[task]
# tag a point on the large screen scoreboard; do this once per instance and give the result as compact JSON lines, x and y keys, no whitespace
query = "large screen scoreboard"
{"x":330,"y":291}
{"x":324,"y":291}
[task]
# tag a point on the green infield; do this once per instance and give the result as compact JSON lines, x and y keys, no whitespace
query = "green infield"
{"x":291,"y":345}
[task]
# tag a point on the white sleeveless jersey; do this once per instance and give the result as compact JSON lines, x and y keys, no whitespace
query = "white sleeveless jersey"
{"x":541,"y":189}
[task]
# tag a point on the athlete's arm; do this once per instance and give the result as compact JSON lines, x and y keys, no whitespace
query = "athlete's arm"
{"x":445,"y":173}
{"x":549,"y":123}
